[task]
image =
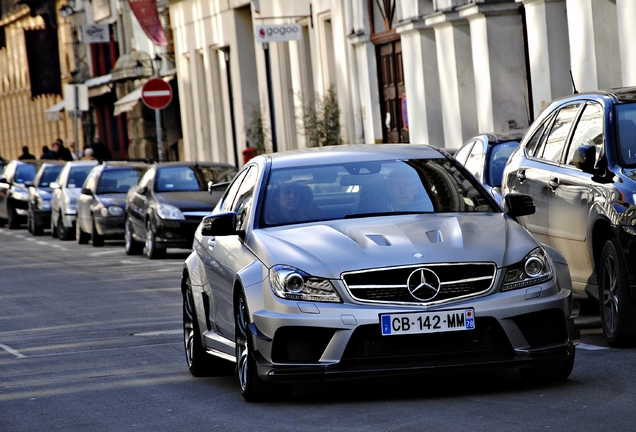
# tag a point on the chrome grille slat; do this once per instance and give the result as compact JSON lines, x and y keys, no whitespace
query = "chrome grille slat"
{"x":457,"y":281}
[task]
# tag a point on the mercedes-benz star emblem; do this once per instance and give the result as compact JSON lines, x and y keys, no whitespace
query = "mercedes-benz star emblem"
{"x":423,"y":284}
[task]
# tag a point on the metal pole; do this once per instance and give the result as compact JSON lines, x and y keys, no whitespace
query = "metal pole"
{"x":159,"y":139}
{"x":75,"y":112}
{"x":270,"y":97}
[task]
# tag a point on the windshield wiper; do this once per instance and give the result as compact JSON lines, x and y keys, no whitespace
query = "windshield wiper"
{"x":385,"y":213}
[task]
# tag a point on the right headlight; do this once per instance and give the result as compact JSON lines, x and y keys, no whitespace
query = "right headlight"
{"x":293,"y":284}
{"x":534,"y":269}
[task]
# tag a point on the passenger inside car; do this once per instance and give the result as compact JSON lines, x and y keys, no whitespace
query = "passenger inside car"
{"x":292,"y":203}
{"x":406,"y":192}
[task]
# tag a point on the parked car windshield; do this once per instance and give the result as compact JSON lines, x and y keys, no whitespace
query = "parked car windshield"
{"x":328,"y":192}
{"x":626,"y":133}
{"x":498,"y":158}
{"x":49,"y":175}
{"x":191,"y":178}
{"x":117,"y":181}
{"x":77,"y":175}
{"x":25,"y":172}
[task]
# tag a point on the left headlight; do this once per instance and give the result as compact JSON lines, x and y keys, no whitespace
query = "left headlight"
{"x":167,"y":211}
{"x":113,"y":210}
{"x":293,"y":284}
{"x":20,"y":195}
{"x":534,"y":269}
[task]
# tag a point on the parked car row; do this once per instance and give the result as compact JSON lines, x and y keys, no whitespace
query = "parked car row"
{"x":152,"y":206}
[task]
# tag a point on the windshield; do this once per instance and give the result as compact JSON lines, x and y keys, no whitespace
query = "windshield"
{"x":626,"y":133}
{"x":77,"y":175}
{"x":191,"y":178}
{"x":499,"y":156}
{"x":24,"y":173}
{"x":329,"y":192}
{"x":49,"y":175}
{"x":117,"y":180}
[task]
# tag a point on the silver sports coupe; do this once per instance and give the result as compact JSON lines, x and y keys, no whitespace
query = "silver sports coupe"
{"x":355,"y":261}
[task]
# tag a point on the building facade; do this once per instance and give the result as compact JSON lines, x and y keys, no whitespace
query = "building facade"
{"x":418,"y":71}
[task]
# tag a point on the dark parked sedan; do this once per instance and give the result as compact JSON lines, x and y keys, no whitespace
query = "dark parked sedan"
{"x":166,"y":206}
{"x":101,"y":205}
{"x":14,"y":194}
{"x":40,"y":194}
{"x":486,"y":155}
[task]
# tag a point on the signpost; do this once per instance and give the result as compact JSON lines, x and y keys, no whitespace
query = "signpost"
{"x":157,"y":94}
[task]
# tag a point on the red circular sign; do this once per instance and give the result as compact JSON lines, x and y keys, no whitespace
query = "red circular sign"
{"x":156,"y":93}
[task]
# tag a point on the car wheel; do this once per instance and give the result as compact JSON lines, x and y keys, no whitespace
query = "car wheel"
{"x":12,"y":215}
{"x":97,"y":240}
{"x":253,"y":388}
{"x":62,"y":232}
{"x":80,"y":236}
{"x":131,"y":246}
{"x":29,"y":223}
{"x":53,"y":228}
{"x":199,"y":362}
{"x":549,"y":372}
{"x":36,"y":229}
{"x":152,"y":251}
{"x":617,"y":309}
{"x":2,"y":223}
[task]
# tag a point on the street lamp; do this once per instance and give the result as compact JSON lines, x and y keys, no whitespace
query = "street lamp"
{"x":157,"y":62}
{"x":138,"y":68}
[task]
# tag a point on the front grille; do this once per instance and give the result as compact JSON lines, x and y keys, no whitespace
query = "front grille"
{"x":389,"y":285}
{"x":487,"y":342}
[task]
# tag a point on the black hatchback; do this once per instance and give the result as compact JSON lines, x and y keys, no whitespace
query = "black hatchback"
{"x":14,"y":192}
{"x":165,"y":208}
{"x":578,"y":161}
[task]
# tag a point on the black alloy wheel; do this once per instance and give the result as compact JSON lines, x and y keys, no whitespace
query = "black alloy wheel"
{"x":253,"y":388}
{"x":131,"y":246}
{"x":617,"y":308}
{"x":200,"y":364}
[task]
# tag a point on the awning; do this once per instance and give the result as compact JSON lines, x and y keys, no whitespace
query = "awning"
{"x":128,"y":102}
{"x":99,"y":85}
{"x":53,"y":113}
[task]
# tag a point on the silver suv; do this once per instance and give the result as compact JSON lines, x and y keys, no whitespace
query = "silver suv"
{"x":578,"y":161}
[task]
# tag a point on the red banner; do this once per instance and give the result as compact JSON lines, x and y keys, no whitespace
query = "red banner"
{"x":148,"y":17}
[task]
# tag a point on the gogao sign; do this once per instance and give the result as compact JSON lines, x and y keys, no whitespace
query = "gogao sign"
{"x":278,"y":33}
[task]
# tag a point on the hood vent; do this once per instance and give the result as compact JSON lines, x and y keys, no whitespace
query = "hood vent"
{"x":379,"y":239}
{"x":434,"y":236}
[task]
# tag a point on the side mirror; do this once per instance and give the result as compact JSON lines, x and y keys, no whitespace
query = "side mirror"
{"x":584,"y":158}
{"x":54,"y":185}
{"x":28,"y":183}
{"x":220,"y":224}
{"x":142,"y":190}
{"x":518,"y":205}
{"x":87,"y":191}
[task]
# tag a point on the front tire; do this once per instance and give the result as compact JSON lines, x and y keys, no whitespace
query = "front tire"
{"x":62,"y":232}
{"x":617,"y":308}
{"x":96,"y":239}
{"x":200,"y":364}
{"x":13,"y":218}
{"x":131,"y":246}
{"x":152,"y":251}
{"x":36,"y":229}
{"x":253,"y":388}
{"x":80,"y":235}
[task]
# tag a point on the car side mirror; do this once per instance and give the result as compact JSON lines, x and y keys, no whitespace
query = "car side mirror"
{"x":518,"y":205}
{"x":28,"y":183}
{"x":87,"y":191}
{"x":584,"y":158}
{"x":220,"y":224}
{"x":143,"y":190}
{"x":54,"y":185}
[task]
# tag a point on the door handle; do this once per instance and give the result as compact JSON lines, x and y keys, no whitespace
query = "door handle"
{"x":554,"y":184}
{"x":521,"y":175}
{"x":211,"y":243}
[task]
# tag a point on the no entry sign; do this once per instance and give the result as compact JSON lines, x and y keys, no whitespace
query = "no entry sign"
{"x":156,"y":93}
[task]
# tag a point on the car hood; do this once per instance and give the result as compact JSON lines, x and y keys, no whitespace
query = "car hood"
{"x":192,"y":201}
{"x":329,"y":248}
{"x":109,"y":199}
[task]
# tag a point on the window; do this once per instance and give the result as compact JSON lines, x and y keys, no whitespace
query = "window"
{"x":476,"y":160}
{"x":535,"y":142}
{"x":588,"y":131}
{"x":556,"y":140}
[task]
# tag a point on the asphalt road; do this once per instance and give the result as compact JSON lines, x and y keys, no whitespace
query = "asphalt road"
{"x":90,"y":340}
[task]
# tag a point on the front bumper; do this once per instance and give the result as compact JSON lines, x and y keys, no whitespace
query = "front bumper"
{"x":111,"y":227}
{"x":176,"y":233}
{"x":332,"y":341}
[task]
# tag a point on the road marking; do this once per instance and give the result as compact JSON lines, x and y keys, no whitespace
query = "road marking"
{"x":12,"y":351}
{"x":159,"y":333}
{"x":591,"y":347}
{"x":110,"y":252}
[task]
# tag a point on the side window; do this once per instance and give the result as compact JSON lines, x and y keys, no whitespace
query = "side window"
{"x":230,"y":194}
{"x":539,"y":135}
{"x":588,"y":131}
{"x":556,"y":139}
{"x":244,"y":199}
{"x":476,"y":160}
{"x":462,"y":154}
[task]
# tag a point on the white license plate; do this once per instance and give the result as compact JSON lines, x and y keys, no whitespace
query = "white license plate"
{"x":427,"y":322}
